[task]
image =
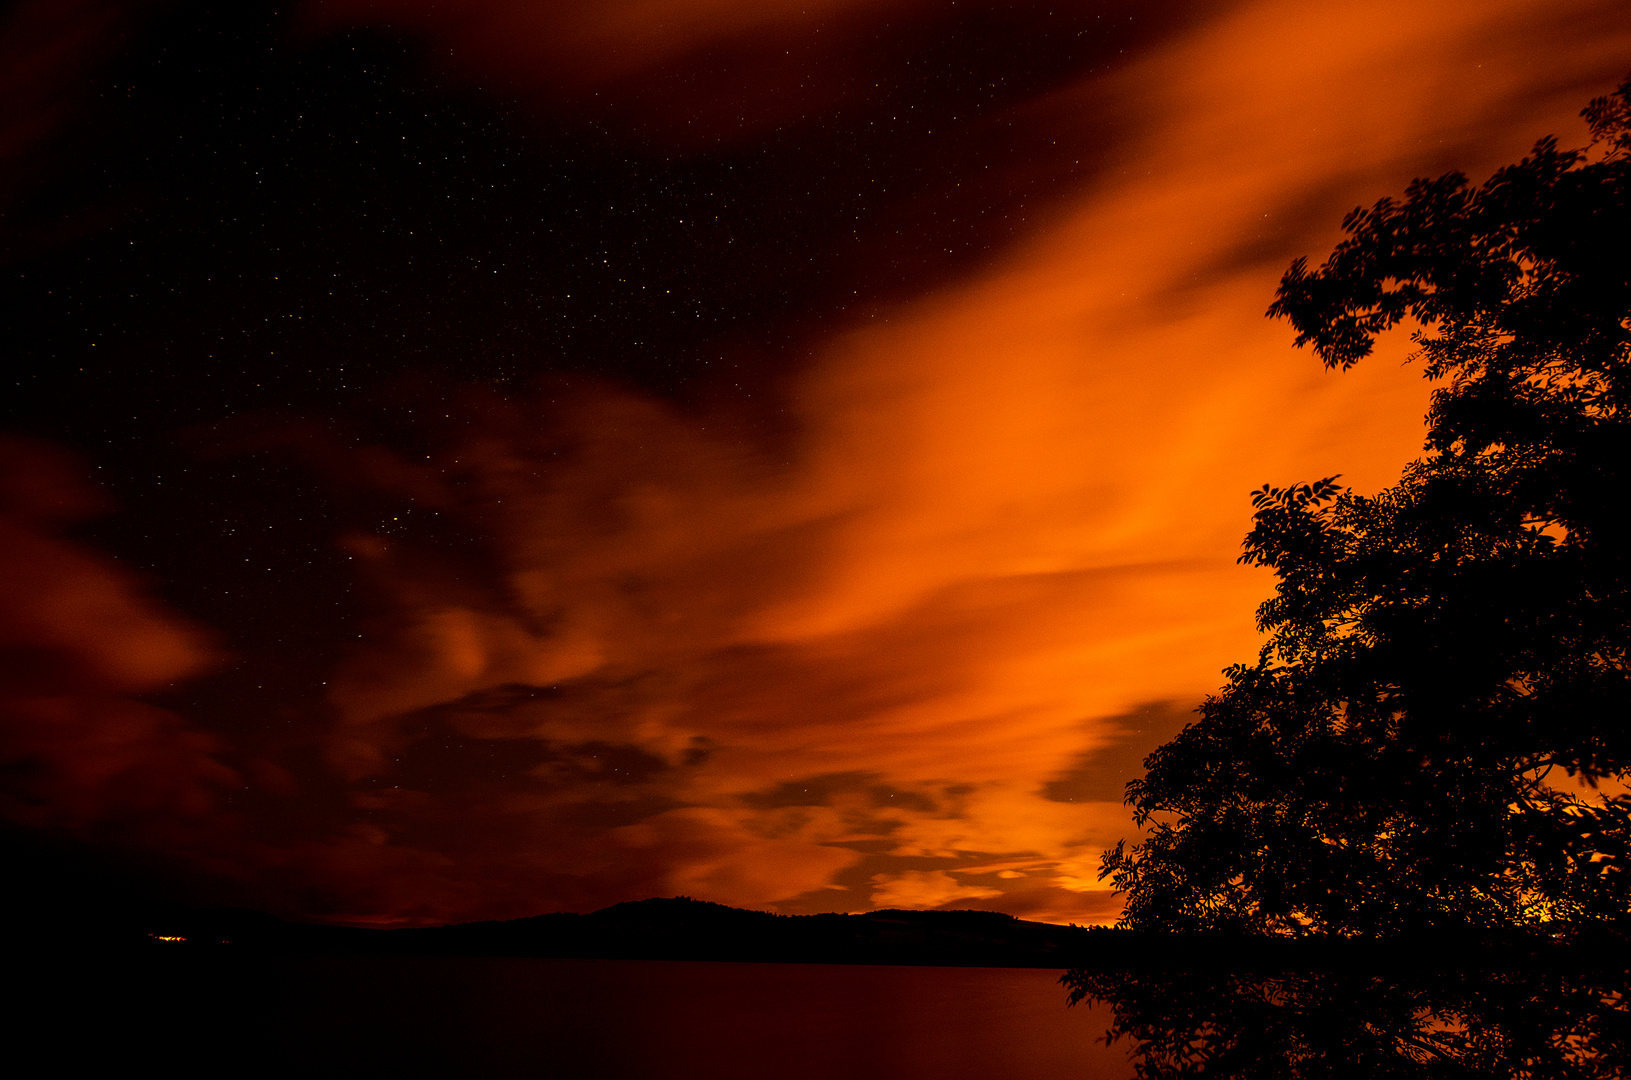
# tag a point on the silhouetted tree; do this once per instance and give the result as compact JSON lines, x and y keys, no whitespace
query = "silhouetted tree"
{"x":1439,"y":652}
{"x":1312,"y":1025}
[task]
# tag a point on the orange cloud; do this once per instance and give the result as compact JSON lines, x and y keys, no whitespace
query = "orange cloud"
{"x":865,"y":672}
{"x":924,"y":889}
{"x":78,"y":641}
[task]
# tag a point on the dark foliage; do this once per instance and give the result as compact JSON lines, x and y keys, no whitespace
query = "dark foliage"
{"x":1440,"y":655}
{"x":1422,"y":1026}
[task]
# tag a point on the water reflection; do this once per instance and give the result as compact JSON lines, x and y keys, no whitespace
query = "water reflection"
{"x":666,"y":1020}
{"x":1345,"y":1023}
{"x":213,"y":1013}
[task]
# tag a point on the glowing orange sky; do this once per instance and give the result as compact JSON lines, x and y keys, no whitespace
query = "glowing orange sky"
{"x":1008,"y":523}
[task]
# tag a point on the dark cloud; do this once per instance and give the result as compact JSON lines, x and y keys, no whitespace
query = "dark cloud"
{"x":808,"y":790}
{"x":49,"y":50}
{"x":1101,"y":774}
{"x":884,"y":795}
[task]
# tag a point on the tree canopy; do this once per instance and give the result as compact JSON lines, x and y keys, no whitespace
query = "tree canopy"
{"x":1439,"y":656}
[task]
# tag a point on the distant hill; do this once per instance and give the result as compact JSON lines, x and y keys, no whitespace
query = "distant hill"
{"x":62,"y":905}
{"x":680,"y":928}
{"x":673,"y":929}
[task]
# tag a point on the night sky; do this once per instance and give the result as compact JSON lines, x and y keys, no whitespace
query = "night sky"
{"x":466,"y":461}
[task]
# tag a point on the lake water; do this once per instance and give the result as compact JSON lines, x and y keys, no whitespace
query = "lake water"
{"x":231,"y":1014}
{"x":410,"y":1016}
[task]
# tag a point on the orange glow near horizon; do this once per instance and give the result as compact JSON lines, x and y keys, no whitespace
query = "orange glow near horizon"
{"x":871,"y":670}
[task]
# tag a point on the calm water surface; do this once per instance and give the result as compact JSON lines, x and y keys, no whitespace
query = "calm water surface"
{"x":490,"y":1017}
{"x":218,"y":1012}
